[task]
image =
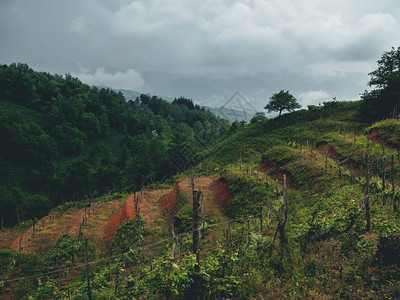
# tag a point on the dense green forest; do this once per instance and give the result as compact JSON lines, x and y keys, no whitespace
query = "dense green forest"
{"x":62,"y":140}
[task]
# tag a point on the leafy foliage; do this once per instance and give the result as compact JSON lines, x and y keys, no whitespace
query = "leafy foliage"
{"x":384,"y":99}
{"x":282,"y":101}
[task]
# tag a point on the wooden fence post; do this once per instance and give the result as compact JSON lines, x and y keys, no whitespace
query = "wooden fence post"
{"x":282,"y":226}
{"x":140,"y":227}
{"x":88,"y":269}
{"x":384,"y":181}
{"x":196,"y":217}
{"x":192,"y":180}
{"x":393,"y":187}
{"x":203,"y":214}
{"x":174,"y":243}
{"x":326,"y":158}
{"x":367,"y":192}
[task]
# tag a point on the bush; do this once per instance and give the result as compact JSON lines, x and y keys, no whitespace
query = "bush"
{"x":389,"y":249}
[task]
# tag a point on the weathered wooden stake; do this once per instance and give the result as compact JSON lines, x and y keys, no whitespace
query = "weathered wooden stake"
{"x":261,"y":218}
{"x":136,"y":202}
{"x":192,"y":180}
{"x":196,"y":217}
{"x":277,"y":193}
{"x":88,"y":269}
{"x":140,"y":228}
{"x":393,"y":187}
{"x":203,"y":213}
{"x":367,"y":192}
{"x":282,"y":225}
{"x":384,"y":181}
{"x":174,"y":243}
{"x":326,"y":158}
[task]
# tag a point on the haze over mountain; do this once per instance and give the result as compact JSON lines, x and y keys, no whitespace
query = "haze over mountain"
{"x":214,"y":92}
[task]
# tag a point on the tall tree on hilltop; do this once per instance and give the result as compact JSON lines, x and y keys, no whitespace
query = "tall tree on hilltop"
{"x":282,"y":101}
{"x":384,"y":99}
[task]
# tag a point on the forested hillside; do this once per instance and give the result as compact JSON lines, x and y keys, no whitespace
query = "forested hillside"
{"x":302,"y":206}
{"x":62,"y":140}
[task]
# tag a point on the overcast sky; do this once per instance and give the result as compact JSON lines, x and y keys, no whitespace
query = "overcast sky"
{"x":141,"y":45}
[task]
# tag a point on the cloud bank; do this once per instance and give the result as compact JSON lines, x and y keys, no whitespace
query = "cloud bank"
{"x":214,"y":39}
{"x":127,"y":80}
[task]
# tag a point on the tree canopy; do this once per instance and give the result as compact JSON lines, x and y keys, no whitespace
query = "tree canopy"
{"x":282,"y":101}
{"x":63,"y":140}
{"x":384,"y":99}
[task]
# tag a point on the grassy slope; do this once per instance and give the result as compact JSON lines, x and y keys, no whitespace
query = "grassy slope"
{"x":324,"y":200}
{"x":328,"y":253}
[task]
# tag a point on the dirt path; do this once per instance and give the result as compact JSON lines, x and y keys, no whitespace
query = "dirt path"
{"x":106,"y":218}
{"x":96,"y":226}
{"x":50,"y":228}
{"x":150,"y":205}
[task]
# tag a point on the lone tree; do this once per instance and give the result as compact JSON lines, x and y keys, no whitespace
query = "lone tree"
{"x":282,"y":101}
{"x":385,"y":98}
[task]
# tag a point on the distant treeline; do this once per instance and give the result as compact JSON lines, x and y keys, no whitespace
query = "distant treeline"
{"x":62,"y":140}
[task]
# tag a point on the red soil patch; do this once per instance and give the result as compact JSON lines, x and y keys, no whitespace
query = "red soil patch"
{"x":279,"y":175}
{"x":25,"y":239}
{"x":151,"y":204}
{"x":277,"y":171}
{"x":25,"y":236}
{"x":324,"y":146}
{"x":168,"y":202}
{"x":222,"y":194}
{"x":373,"y":135}
{"x":127,"y":211}
{"x":263,"y":166}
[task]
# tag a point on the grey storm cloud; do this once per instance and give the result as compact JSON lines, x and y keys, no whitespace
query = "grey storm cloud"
{"x":114,"y":42}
